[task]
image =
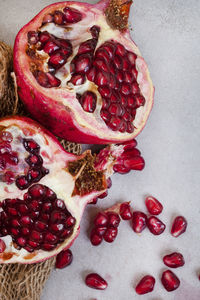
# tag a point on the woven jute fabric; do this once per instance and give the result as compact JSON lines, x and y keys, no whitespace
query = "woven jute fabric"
{"x":21,"y":281}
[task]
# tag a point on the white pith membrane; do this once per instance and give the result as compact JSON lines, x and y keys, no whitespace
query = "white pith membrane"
{"x":55,"y":159}
{"x":79,"y":32}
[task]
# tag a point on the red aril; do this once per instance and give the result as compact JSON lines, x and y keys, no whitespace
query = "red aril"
{"x":139,"y":220}
{"x":110,"y":234}
{"x":101,"y":219}
{"x":174,"y":260}
{"x":77,"y":58}
{"x":179,"y":226}
{"x":170,"y":281}
{"x":153,"y":205}
{"x":95,"y":237}
{"x":146,"y":285}
{"x":64,"y":259}
{"x":42,"y":207}
{"x":113,"y":219}
{"x":2,"y":246}
{"x":125,"y":211}
{"x":95,"y":281}
{"x":155,"y":225}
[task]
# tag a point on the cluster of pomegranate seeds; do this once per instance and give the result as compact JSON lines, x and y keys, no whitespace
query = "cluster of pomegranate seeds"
{"x":174,"y":260}
{"x":145,"y":285}
{"x":64,"y":259}
{"x":170,"y":281}
{"x":36,"y":170}
{"x":40,"y":221}
{"x":179,"y":226}
{"x":95,"y":281}
{"x":105,"y":227}
{"x":130,"y":159}
{"x":8,"y":158}
{"x":59,"y":50}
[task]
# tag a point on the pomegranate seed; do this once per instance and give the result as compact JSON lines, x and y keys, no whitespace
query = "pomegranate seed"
{"x":101,"y":219}
{"x":170,"y":281}
{"x":146,"y":285}
{"x":95,"y":281}
{"x":115,"y":109}
{"x":113,"y":219}
{"x":101,"y":64}
{"x":103,"y":195}
{"x":139,"y":100}
{"x":64,"y":259}
{"x":87,"y":46}
{"x":115,"y":123}
{"x":125,"y":88}
{"x":77,"y":79}
{"x":174,"y":260}
{"x":132,"y":57}
{"x":139,"y":220}
{"x":70,"y":221}
{"x":130,"y":153}
{"x":88,"y":101}
{"x":44,"y":36}
{"x":179,"y":226}
{"x":120,"y":50}
{"x":2,"y":246}
{"x":105,"y":115}
{"x":110,"y":234}
{"x":117,"y":62}
{"x":100,"y":230}
{"x":120,"y":169}
{"x":72,"y":15}
{"x":6,"y":136}
{"x":37,"y":191}
{"x":58,"y":17}
{"x":153,"y":205}
{"x":130,"y":129}
{"x":105,"y":91}
{"x":95,"y":238}
{"x":135,"y":88}
{"x":57,"y":60}
{"x":125,"y":211}
{"x":91,"y":74}
{"x":31,"y":146}
{"x":21,"y":241}
{"x":95,"y":31}
{"x":50,"y":47}
{"x":53,"y":81}
{"x":134,"y":163}
{"x":82,"y":63}
{"x":129,"y":145}
{"x":155,"y":225}
{"x":32,"y":37}
{"x":47,"y":19}
{"x":22,"y":182}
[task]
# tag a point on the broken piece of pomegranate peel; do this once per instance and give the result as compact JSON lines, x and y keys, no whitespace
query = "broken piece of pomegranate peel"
{"x":84,"y":85}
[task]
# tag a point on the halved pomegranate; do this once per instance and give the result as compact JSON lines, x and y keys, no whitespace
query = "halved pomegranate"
{"x":44,"y":190}
{"x":80,"y":74}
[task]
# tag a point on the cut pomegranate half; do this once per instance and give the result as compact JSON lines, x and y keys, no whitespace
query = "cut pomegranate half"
{"x":81,"y":75}
{"x":44,"y":190}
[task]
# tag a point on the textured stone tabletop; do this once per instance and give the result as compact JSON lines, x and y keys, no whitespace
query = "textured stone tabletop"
{"x":168,"y":35}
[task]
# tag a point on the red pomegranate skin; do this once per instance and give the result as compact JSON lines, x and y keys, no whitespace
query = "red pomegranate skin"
{"x":48,"y":106}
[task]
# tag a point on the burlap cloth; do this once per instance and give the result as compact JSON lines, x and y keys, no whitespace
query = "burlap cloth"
{"x":17,"y":281}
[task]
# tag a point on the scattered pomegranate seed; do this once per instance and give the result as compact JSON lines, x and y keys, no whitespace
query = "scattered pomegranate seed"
{"x":179,"y":226}
{"x":153,"y":205}
{"x":170,"y":281}
{"x":125,"y":211}
{"x":2,"y":246}
{"x":95,"y":237}
{"x":110,"y":234}
{"x":155,"y":225}
{"x":139,"y":220}
{"x":174,"y":260}
{"x":101,"y":219}
{"x":64,"y":259}
{"x":146,"y":285}
{"x":113,"y":219}
{"x":95,"y":281}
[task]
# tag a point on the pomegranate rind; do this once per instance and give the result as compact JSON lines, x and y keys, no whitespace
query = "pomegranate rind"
{"x":60,"y":111}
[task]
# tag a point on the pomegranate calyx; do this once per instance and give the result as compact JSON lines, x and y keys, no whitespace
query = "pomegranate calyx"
{"x":117,"y":13}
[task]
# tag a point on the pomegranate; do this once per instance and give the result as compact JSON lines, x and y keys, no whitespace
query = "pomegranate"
{"x":170,"y":281}
{"x":64,"y":259}
{"x":153,"y":205}
{"x":81,"y":75}
{"x":174,"y":260}
{"x":179,"y":226}
{"x":146,"y":285}
{"x":95,"y":281}
{"x":44,"y":190}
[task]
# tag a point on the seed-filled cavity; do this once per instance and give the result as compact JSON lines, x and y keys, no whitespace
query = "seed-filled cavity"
{"x":111,"y":67}
{"x":39,"y":221}
{"x":36,"y":170}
